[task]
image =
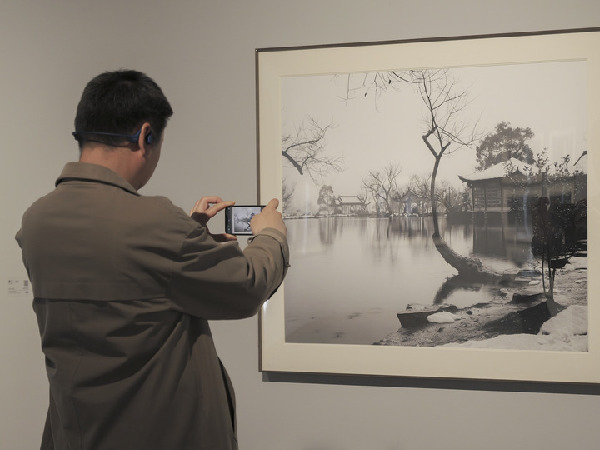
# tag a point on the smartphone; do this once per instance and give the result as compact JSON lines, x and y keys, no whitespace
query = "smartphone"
{"x":237,"y":218}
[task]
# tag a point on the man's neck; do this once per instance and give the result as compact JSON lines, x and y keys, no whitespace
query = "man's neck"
{"x":117,"y":159}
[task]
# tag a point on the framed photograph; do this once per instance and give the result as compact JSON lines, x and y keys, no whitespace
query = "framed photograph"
{"x":442,"y":206}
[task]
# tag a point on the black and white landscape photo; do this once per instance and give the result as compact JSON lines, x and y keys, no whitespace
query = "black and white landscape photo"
{"x":438,"y":207}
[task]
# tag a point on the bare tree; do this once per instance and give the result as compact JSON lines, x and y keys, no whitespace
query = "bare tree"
{"x":382,"y":186}
{"x":451,"y":198}
{"x":419,"y":187}
{"x":305,"y":150}
{"x":445,"y":132}
{"x":287,"y":193}
{"x":445,"y":129}
{"x":373,"y":83}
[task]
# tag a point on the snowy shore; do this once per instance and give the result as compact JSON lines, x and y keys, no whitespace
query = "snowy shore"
{"x":567,"y":331}
{"x":470,"y":327}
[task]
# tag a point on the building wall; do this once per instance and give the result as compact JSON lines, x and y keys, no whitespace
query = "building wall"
{"x":202,"y":53}
{"x":502,"y":195}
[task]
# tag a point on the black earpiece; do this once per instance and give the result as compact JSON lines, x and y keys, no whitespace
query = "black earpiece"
{"x":133,"y":138}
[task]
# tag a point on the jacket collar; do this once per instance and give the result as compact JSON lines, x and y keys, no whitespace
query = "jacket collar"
{"x":94,"y":172}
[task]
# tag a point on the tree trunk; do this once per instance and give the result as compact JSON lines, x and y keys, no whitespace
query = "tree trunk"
{"x":436,"y":228}
{"x":468,"y":268}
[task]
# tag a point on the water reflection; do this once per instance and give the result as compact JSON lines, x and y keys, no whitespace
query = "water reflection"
{"x":351,"y":275}
{"x":501,"y":240}
{"x":451,"y":285}
{"x":328,"y":228}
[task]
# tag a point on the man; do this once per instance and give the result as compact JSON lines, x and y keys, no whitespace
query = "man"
{"x":124,"y":285}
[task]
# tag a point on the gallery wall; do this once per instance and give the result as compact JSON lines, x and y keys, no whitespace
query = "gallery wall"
{"x":202,"y":53}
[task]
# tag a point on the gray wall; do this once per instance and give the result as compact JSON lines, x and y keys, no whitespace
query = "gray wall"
{"x":202,"y":54}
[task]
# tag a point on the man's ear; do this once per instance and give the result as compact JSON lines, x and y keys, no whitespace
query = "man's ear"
{"x":146,"y":138}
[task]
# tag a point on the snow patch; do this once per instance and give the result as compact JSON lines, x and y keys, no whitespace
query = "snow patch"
{"x":442,"y":317}
{"x":567,"y":331}
{"x":572,"y":321}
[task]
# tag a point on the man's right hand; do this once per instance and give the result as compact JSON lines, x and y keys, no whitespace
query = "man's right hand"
{"x":205,"y":209}
{"x":269,"y":217}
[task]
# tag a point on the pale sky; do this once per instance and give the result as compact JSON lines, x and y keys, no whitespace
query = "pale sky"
{"x":370,"y":132}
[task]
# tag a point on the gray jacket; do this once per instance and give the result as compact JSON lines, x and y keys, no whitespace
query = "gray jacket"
{"x":123,"y":287}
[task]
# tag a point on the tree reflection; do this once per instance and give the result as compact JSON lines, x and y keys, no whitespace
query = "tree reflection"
{"x":453,"y":284}
{"x":329,"y":227}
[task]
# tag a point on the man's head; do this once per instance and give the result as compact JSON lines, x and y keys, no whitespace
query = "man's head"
{"x":119,"y":103}
{"x":120,"y":122}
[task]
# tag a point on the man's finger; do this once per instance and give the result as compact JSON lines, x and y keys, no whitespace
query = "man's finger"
{"x":274,"y":203}
{"x":210,"y":206}
{"x":214,"y":209}
{"x":224,"y":237}
{"x":203,"y":204}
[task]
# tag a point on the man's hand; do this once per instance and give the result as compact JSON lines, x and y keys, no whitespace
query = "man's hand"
{"x":205,"y":209}
{"x":269,"y":217}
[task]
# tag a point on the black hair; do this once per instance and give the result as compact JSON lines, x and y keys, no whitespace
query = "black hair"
{"x":120,"y":102}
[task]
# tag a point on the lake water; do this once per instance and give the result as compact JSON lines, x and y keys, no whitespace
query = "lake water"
{"x":350,"y":276}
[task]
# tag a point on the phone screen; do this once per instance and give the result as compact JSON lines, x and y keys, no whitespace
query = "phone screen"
{"x":237,"y":218}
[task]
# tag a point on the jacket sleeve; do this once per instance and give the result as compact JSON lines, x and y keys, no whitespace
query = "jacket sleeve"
{"x":216,"y":280}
